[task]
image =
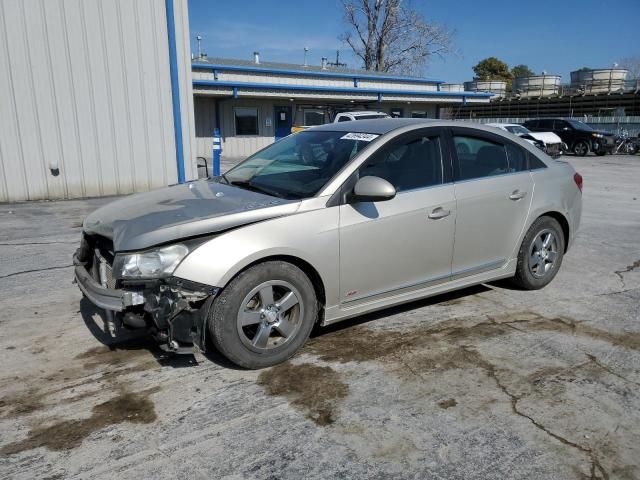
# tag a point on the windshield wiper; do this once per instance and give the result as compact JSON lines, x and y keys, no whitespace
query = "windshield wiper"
{"x":255,"y":188}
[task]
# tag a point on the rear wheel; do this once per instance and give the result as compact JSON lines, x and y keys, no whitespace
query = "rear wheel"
{"x":540,"y":254}
{"x":264,"y":315}
{"x":581,"y":148}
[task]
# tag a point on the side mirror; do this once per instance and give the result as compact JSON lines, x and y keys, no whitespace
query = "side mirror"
{"x":372,"y":189}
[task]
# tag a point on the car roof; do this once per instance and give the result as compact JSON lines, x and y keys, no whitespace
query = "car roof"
{"x":382,"y":126}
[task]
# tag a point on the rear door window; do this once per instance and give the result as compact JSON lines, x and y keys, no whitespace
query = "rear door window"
{"x":516,"y":158}
{"x":479,"y":158}
{"x":548,"y":124}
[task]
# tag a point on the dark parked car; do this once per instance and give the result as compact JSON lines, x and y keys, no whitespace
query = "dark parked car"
{"x":579,"y":137}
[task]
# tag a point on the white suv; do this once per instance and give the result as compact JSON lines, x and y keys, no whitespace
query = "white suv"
{"x":361,"y":115}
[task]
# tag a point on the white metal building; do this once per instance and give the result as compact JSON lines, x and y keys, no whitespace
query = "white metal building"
{"x":255,"y":103}
{"x":95,"y":97}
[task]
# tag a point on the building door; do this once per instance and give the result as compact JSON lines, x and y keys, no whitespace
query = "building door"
{"x":283,"y":121}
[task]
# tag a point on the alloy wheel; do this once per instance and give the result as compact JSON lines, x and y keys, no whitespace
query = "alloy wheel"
{"x":580,"y":149}
{"x":543,"y":253}
{"x":270,"y":315}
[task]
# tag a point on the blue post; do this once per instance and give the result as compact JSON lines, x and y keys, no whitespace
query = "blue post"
{"x":175,"y":89}
{"x":217,"y":151}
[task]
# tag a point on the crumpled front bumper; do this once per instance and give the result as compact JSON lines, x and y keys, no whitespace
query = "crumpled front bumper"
{"x":115,"y":300}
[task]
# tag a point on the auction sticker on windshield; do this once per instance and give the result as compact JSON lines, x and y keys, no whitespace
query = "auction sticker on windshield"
{"x":364,"y":137}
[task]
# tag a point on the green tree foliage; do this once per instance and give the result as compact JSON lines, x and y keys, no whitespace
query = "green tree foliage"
{"x":521,"y":71}
{"x":492,"y":68}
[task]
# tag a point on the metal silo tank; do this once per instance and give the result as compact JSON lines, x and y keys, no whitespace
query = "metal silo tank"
{"x":536,"y":85}
{"x":499,"y":87}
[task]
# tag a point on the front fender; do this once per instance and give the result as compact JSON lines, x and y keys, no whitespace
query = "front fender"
{"x":311,"y":236}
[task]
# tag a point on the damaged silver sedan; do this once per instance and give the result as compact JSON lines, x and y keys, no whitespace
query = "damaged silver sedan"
{"x":324,"y":225}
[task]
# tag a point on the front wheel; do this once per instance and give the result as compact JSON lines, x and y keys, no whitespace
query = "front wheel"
{"x":264,"y":315}
{"x":540,"y":254}
{"x":581,"y":148}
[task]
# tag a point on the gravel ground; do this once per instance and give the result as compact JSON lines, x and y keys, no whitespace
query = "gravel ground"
{"x":486,"y":383}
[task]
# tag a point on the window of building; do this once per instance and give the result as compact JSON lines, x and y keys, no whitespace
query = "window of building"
{"x":419,"y":114}
{"x":415,"y":162}
{"x":246,"y":119}
{"x":478,"y":158}
{"x":396,"y":112}
{"x":313,"y":117}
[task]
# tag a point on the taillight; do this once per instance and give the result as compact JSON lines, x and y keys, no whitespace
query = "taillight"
{"x":578,"y":179}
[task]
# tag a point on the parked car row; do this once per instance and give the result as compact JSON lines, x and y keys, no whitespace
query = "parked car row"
{"x":558,"y":135}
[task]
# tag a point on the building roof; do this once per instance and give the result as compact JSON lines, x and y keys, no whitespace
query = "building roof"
{"x":275,"y":67}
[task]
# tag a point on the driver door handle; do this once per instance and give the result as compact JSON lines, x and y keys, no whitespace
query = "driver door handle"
{"x":517,"y":195}
{"x":438,"y":213}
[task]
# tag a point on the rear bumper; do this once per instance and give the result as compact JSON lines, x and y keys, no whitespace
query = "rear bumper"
{"x":110,"y":299}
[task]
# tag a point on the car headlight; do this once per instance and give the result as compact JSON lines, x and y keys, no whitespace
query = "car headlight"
{"x":157,"y":263}
{"x":597,"y":135}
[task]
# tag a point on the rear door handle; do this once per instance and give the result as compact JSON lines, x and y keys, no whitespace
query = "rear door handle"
{"x":438,"y":213}
{"x":517,"y":195}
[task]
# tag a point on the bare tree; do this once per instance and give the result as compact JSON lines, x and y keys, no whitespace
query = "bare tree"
{"x":633,"y":65}
{"x":390,"y":36}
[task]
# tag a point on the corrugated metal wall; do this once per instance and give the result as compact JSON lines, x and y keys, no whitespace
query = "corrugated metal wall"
{"x":85,"y":86}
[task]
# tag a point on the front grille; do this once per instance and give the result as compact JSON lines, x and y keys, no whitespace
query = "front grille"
{"x":553,"y":148}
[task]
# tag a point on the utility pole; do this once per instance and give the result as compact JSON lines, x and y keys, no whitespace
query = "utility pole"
{"x":337,"y":63}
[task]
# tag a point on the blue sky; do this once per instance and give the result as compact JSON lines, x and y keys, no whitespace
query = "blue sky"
{"x":556,"y":36}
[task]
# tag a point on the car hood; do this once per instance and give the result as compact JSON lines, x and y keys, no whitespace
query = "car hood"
{"x":181,"y":211}
{"x":546,"y":137}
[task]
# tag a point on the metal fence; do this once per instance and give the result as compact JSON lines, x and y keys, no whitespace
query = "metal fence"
{"x":610,"y":124}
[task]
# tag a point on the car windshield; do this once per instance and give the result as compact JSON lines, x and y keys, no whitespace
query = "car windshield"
{"x":517,"y":129}
{"x":579,"y":125}
{"x":299,"y":165}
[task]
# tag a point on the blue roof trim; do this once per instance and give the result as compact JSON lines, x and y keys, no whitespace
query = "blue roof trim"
{"x":313,"y":73}
{"x":175,"y":90}
{"x":309,"y":88}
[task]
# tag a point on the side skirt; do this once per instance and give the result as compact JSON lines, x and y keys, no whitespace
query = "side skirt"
{"x":338,"y":313}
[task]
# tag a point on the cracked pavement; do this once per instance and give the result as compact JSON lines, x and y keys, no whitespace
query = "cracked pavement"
{"x":485,"y":383}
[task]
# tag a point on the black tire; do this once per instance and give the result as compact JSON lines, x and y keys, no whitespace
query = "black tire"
{"x":233,"y":340}
{"x":580,"y":148}
{"x":526,"y":276}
